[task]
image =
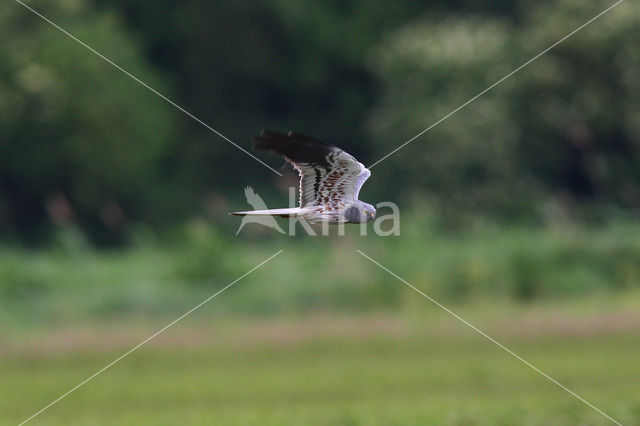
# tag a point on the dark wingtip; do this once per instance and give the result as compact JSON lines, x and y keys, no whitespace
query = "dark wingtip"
{"x":306,"y":138}
{"x":266,"y":138}
{"x":295,"y":147}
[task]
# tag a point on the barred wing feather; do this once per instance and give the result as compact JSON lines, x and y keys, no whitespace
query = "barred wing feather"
{"x":329,"y":176}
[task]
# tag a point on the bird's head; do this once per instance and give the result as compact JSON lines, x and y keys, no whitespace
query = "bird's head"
{"x":360,"y":212}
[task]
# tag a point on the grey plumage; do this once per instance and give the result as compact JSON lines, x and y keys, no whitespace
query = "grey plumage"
{"x":330,"y":179}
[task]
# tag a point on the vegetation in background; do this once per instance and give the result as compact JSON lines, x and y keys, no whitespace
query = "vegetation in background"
{"x":113,"y":213}
{"x":424,"y":368}
{"x":491,"y":263}
{"x":82,"y":143}
{"x":88,"y":158}
{"x":78,"y":142}
{"x":562,"y":134}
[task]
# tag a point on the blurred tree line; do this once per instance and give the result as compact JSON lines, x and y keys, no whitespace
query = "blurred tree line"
{"x":559,"y":138}
{"x":81,"y":143}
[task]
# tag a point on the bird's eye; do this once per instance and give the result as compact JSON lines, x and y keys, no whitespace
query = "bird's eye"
{"x":365,"y":211}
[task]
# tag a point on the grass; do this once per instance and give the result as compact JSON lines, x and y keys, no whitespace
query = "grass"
{"x":420,"y":367}
{"x":320,"y":335}
{"x":523,"y":264}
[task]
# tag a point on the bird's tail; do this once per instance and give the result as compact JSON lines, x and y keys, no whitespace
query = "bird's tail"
{"x":295,"y":211}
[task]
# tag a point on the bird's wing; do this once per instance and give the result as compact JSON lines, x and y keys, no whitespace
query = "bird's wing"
{"x":362,"y":177}
{"x":328,"y":175}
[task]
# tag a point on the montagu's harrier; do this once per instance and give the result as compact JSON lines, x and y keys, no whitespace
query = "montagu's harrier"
{"x":330,"y":179}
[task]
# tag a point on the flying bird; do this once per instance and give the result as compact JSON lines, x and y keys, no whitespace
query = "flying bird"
{"x":330,"y":179}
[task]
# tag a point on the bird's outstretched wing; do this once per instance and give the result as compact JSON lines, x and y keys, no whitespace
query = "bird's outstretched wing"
{"x":328,"y":175}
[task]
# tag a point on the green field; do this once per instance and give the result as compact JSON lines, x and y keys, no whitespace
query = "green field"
{"x":507,"y":135}
{"x":418,"y":367}
{"x":321,"y":335}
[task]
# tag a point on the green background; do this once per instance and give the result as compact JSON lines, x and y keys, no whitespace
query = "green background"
{"x":519,"y":213}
